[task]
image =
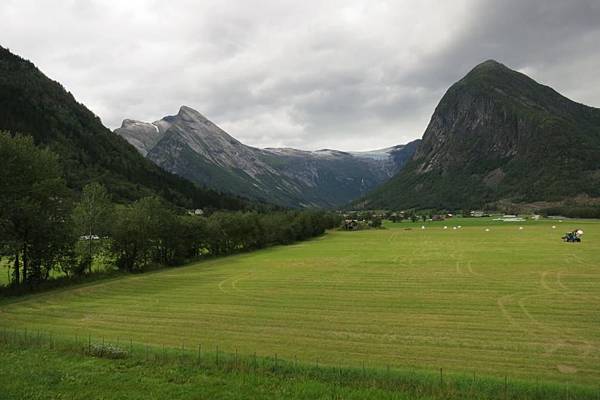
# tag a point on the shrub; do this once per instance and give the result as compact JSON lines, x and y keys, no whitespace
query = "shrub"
{"x":107,"y":351}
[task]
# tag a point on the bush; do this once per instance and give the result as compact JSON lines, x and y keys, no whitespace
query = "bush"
{"x":107,"y":351}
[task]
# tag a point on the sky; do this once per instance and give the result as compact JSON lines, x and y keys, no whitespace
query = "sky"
{"x":347,"y":75}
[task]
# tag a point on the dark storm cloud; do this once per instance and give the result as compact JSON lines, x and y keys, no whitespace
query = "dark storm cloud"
{"x":338,"y":74}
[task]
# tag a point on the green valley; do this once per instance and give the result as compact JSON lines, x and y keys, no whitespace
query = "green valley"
{"x":498,"y":302}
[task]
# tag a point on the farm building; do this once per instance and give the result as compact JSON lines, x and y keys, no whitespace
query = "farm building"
{"x":478,"y":214}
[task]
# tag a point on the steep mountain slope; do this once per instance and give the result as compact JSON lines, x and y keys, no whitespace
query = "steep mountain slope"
{"x":30,"y":103}
{"x":497,"y":135}
{"x":191,"y":146}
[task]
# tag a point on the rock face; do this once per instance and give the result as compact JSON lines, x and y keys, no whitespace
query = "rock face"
{"x":191,"y":146}
{"x":498,"y":135}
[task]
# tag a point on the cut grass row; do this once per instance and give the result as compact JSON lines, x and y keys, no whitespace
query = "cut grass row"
{"x":508,"y":302}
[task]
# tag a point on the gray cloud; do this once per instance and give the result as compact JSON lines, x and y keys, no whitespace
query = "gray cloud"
{"x":339,"y":74}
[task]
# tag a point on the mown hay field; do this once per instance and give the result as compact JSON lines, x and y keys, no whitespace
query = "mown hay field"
{"x":505,"y":302}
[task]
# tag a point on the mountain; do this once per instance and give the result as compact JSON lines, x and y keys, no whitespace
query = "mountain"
{"x":31,"y":103}
{"x":499,"y":137}
{"x":190,"y":145}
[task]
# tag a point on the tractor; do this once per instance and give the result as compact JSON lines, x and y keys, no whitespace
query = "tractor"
{"x":573,"y":237}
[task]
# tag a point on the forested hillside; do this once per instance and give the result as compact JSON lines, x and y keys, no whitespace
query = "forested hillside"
{"x":32,"y":104}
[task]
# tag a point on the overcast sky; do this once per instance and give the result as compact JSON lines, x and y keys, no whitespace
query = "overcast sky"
{"x":349,"y":75}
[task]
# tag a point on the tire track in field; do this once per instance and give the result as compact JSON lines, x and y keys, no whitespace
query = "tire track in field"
{"x":558,"y":339}
{"x":566,"y":337}
{"x":540,"y":329}
{"x":469,"y":269}
{"x":232,"y":282}
{"x":581,"y":344}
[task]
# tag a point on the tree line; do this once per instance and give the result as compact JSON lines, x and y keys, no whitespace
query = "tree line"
{"x":45,"y":227}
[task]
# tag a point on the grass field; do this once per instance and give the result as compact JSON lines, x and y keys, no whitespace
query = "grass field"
{"x":505,"y":302}
{"x":4,"y":271}
{"x":40,"y":367}
{"x":67,"y":375}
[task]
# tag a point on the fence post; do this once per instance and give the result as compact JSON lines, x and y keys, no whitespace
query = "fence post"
{"x":199,"y":353}
{"x":217,"y":356}
{"x":505,"y":386}
{"x":441,"y":377}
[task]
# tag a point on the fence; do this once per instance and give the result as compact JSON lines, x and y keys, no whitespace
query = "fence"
{"x":439,"y":384}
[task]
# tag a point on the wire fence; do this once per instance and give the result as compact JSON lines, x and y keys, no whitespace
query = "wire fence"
{"x":439,"y":385}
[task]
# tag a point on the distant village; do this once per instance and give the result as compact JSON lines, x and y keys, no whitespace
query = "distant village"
{"x":360,"y":220}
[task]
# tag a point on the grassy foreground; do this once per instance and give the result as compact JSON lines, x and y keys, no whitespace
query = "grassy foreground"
{"x":47,"y":374}
{"x":503,"y":302}
{"x":37,"y":366}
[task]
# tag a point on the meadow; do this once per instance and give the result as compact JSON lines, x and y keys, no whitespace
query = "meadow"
{"x":4,"y":271}
{"x":504,"y":302}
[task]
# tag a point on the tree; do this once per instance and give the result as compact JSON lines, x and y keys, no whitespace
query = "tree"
{"x":34,"y":208}
{"x":91,"y":215}
{"x":144,"y":232}
{"x":376,"y":222}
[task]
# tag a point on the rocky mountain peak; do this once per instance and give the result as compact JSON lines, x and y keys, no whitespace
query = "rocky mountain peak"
{"x":142,"y":135}
{"x":190,"y":114}
{"x":128,"y":122}
{"x":190,"y":145}
{"x":489,"y":65}
{"x":498,"y":135}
